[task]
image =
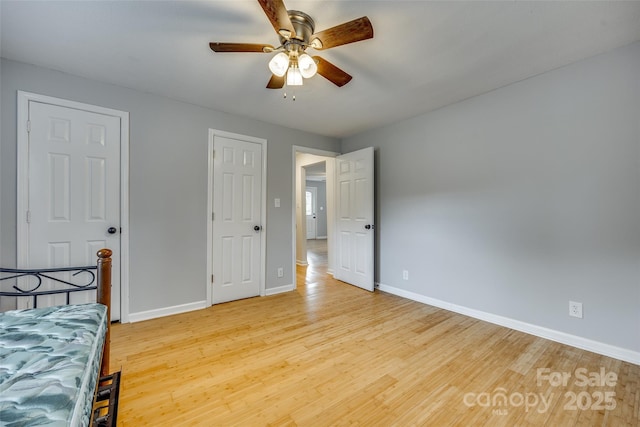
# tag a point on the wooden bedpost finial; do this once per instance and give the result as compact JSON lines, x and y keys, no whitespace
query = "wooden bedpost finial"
{"x":105,"y":253}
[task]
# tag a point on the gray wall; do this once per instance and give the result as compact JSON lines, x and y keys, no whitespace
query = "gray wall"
{"x":321,"y":211}
{"x":519,"y":200}
{"x":168,"y":182}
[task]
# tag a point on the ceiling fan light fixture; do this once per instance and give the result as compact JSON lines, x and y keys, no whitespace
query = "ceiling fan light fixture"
{"x":308,"y":67}
{"x":294,"y":78}
{"x":279,"y":64}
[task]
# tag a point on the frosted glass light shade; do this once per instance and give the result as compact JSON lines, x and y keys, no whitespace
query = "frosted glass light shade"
{"x":307,"y":65}
{"x":294,"y":78}
{"x":279,"y":64}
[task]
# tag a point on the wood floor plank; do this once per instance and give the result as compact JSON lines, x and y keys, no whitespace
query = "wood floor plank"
{"x":330,"y":354}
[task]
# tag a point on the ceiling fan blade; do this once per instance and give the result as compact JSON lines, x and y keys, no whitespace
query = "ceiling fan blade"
{"x":240,"y":47}
{"x":279,"y":17}
{"x":349,"y":32}
{"x":332,"y":73}
{"x":275,"y":82}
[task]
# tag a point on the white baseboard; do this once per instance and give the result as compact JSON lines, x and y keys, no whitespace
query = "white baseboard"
{"x":279,"y":290}
{"x":321,"y":237}
{"x":166,"y":311}
{"x":302,"y":263}
{"x":539,"y":331}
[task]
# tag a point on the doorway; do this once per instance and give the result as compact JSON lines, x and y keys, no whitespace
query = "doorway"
{"x":355,"y":228}
{"x":313,"y":170}
{"x":350,"y":213}
{"x":316,"y":214}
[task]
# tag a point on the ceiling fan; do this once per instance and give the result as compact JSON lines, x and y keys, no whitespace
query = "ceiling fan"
{"x":296,"y":31}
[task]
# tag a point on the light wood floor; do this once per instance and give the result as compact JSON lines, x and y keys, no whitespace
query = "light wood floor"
{"x":317,"y":255}
{"x":332,"y":354}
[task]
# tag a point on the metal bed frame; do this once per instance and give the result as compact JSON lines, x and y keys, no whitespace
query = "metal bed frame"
{"x":97,"y":278}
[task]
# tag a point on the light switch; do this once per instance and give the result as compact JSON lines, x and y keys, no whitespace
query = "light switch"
{"x":276,"y":202}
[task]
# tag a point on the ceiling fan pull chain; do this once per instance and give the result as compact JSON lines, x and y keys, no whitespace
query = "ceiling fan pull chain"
{"x":293,"y":93}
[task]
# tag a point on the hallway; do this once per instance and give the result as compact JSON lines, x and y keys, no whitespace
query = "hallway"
{"x":317,"y":258}
{"x":317,"y":252}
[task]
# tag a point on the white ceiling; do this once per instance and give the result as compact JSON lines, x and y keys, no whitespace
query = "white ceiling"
{"x":424,"y":54}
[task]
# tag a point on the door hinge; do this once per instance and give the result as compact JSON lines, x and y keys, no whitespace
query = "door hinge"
{"x":212,"y":278}
{"x":213,"y":216}
{"x":28,"y":217}
{"x":28,"y":126}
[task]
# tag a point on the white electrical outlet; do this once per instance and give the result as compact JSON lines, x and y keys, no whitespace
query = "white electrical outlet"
{"x":575,"y":309}
{"x":405,"y":274}
{"x":280,"y":272}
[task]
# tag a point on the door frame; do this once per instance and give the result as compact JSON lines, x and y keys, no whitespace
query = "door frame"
{"x":22,"y":250}
{"x":329,"y":155}
{"x":263,"y":208}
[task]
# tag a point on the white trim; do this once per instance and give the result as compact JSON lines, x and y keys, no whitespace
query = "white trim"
{"x":539,"y":331}
{"x":314,"y":151}
{"x":302,"y":264}
{"x":321,"y":237}
{"x":280,"y":289}
{"x":263,"y":216}
{"x":22,"y":250}
{"x":22,"y":165}
{"x":209,"y":218}
{"x":167,"y":311}
{"x":124,"y":217}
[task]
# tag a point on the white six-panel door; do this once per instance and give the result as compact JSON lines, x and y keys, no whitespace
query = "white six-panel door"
{"x":74,"y":192}
{"x":354,"y":219}
{"x":237,"y":219}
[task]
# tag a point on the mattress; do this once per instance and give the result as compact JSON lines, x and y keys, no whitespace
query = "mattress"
{"x":49,"y":364}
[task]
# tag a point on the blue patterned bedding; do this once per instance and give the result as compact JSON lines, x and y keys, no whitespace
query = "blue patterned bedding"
{"x":49,"y":364}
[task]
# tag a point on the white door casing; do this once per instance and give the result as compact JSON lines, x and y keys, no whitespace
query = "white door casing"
{"x":70,"y":189}
{"x":354,"y":218}
{"x":237,"y":217}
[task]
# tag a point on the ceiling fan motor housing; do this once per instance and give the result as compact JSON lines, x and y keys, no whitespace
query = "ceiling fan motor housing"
{"x":303,"y":26}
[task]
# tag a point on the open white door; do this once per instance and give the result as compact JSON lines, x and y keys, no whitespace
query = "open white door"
{"x":354,"y":219}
